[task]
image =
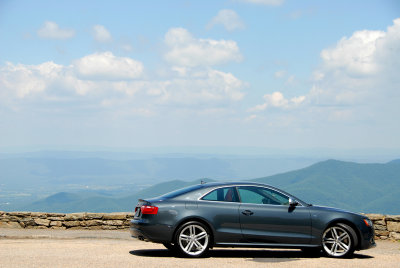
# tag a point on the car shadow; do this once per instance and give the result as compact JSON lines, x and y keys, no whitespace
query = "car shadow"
{"x":256,"y":255}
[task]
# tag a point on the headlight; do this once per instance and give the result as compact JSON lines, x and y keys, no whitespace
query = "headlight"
{"x":368,"y":222}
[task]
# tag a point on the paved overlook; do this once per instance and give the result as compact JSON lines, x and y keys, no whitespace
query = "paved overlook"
{"x":105,"y":248}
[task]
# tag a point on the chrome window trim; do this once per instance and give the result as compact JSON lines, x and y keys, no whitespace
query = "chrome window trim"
{"x":247,"y":185}
{"x":219,"y":187}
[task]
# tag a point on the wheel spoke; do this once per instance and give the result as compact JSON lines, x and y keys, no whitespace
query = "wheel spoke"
{"x":343,"y":246}
{"x":200,"y":235}
{"x":335,"y":248}
{"x":334,"y":233}
{"x":343,"y":236}
{"x":198,"y":245}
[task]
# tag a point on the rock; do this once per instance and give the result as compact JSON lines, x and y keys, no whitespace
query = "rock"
{"x":28,"y":221}
{"x":38,"y":215}
{"x":91,"y":216}
{"x":375,"y":217}
{"x":380,"y":227}
{"x":114,"y":216}
{"x":393,"y":218}
{"x":57,"y":227}
{"x":71,"y":223}
{"x":15,"y":225}
{"x":97,"y":227}
{"x":56,"y":223}
{"x":382,"y":222}
{"x":74,"y":216}
{"x":56,"y":218}
{"x":393,"y":226}
{"x":113,"y":222}
{"x":19,"y":214}
{"x":381,"y":233}
{"x":394,"y":235}
{"x":42,"y":222}
{"x":383,"y":237}
{"x":105,"y":227}
{"x":60,"y":215}
{"x":92,"y":222}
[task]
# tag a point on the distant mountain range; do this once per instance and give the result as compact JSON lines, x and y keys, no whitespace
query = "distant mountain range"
{"x":369,"y":188}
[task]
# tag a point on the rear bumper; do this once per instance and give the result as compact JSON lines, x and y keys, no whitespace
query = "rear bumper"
{"x":158,"y":233}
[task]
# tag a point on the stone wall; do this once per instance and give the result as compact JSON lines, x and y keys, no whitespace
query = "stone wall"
{"x":386,"y":226}
{"x":41,"y":220}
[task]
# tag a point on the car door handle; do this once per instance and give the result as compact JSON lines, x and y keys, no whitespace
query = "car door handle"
{"x":247,"y":212}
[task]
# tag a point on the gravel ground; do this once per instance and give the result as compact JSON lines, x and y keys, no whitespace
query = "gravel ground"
{"x":81,"y":248}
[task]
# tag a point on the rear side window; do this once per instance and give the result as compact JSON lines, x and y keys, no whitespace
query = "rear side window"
{"x":227,"y":194}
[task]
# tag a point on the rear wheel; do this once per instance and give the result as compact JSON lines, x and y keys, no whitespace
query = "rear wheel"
{"x":192,"y":239}
{"x":338,"y":241}
{"x":169,"y":246}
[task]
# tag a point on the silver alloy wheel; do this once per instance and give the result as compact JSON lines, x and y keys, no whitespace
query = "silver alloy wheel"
{"x":336,"y":241}
{"x":193,"y":239}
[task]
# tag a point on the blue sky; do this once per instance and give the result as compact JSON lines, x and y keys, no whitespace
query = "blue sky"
{"x":256,"y":73}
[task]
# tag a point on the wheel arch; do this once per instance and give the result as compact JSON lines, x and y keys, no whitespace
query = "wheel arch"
{"x":198,"y":219}
{"x":357,"y":239}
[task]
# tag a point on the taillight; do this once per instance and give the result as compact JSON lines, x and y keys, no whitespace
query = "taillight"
{"x":149,"y":209}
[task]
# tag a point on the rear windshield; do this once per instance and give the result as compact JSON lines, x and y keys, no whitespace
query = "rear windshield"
{"x":181,"y":191}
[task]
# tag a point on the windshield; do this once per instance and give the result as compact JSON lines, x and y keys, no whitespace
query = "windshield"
{"x":181,"y":191}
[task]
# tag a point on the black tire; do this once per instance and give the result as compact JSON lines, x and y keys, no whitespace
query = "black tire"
{"x":192,"y":239}
{"x":170,"y":246}
{"x":339,"y":241}
{"x":312,"y":252}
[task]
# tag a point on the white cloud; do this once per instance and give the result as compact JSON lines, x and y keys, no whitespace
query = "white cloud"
{"x":197,"y":87}
{"x":102,"y":77}
{"x":356,"y":55}
{"x":265,"y":2}
{"x":277,"y":100}
{"x":101,"y":34}
{"x":22,"y":80}
{"x":359,"y":69}
{"x":106,"y":66}
{"x":185,"y":50}
{"x":227,"y":18}
{"x":50,"y":30}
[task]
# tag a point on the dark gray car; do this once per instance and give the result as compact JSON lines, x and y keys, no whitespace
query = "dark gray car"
{"x":199,"y":217}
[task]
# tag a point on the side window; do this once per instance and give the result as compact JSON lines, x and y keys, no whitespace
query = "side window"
{"x":259,"y":195}
{"x":227,"y":194}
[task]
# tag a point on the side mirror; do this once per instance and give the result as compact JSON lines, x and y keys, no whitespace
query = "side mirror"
{"x":293,"y":202}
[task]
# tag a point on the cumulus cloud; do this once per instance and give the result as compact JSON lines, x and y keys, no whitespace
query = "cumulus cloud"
{"x":356,"y":55}
{"x":277,"y":100}
{"x":21,"y":80}
{"x":265,"y":2}
{"x":359,"y":69}
{"x":101,"y":34}
{"x":227,"y":18}
{"x":106,"y":66}
{"x":186,"y":50}
{"x":100,"y":77}
{"x":51,"y":30}
{"x":199,"y":87}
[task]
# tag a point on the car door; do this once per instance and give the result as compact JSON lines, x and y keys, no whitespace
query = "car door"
{"x":266,"y":217}
{"x":221,"y":207}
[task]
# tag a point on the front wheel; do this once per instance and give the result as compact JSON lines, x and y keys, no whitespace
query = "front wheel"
{"x":192,"y":239}
{"x":338,"y":241}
